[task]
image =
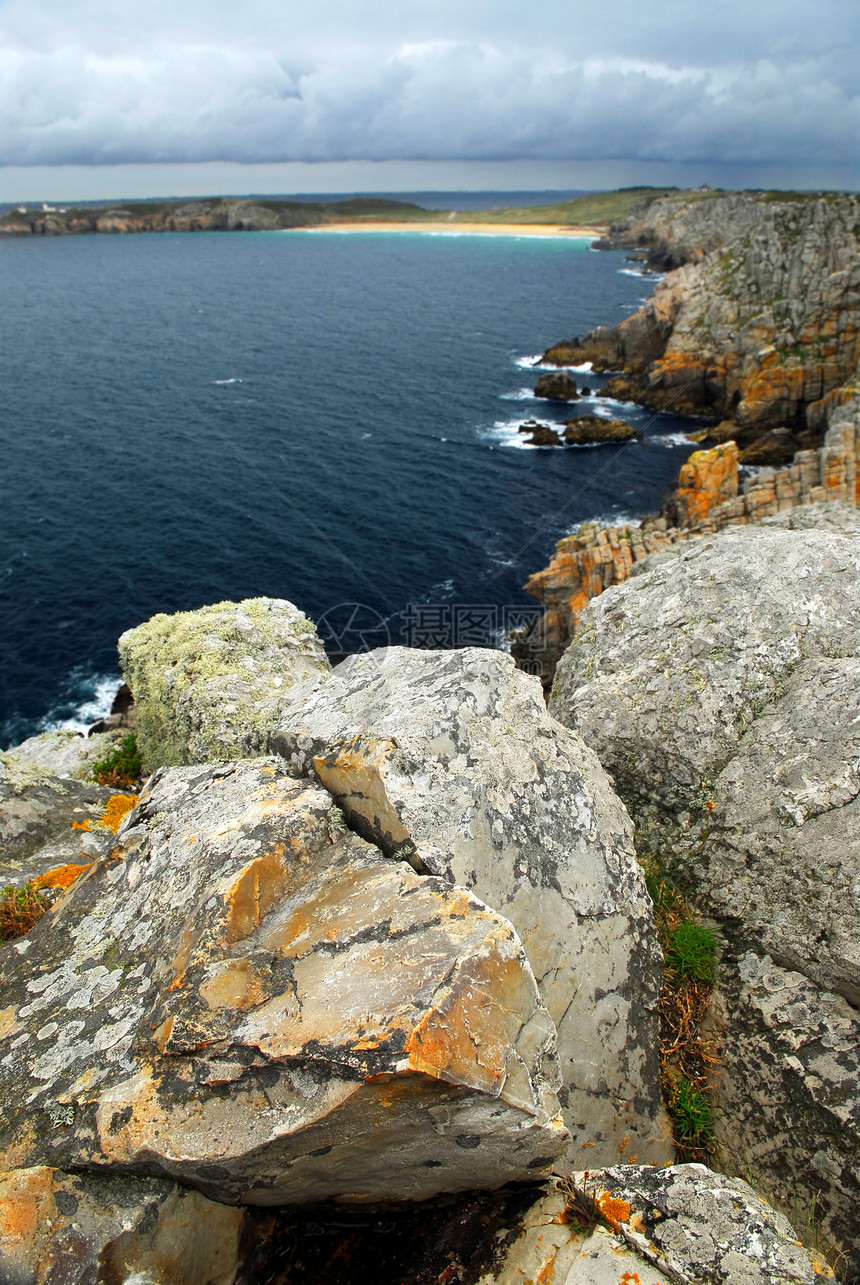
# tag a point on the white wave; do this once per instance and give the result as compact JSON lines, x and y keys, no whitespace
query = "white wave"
{"x":669,"y":439}
{"x":607,"y":407}
{"x":506,"y":432}
{"x":535,"y":363}
{"x":96,"y":705}
{"x":620,"y":518}
{"x":639,"y":272}
{"x":227,"y":381}
{"x":522,"y":395}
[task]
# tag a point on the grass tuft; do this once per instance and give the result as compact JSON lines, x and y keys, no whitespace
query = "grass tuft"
{"x":122,"y":767}
{"x":20,"y":909}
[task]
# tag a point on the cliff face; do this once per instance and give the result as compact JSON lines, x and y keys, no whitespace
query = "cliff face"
{"x":189,"y":216}
{"x":708,"y":499}
{"x":758,"y":326}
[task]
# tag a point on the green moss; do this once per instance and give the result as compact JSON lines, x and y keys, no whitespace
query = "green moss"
{"x":122,"y":766}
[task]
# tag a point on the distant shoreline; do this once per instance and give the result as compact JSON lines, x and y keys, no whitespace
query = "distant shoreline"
{"x":458,"y":228}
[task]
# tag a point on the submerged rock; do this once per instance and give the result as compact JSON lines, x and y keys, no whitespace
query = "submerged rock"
{"x":449,"y":759}
{"x":208,"y":684}
{"x":247,"y":997}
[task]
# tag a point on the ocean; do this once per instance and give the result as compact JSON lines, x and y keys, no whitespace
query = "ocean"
{"x":329,"y":418}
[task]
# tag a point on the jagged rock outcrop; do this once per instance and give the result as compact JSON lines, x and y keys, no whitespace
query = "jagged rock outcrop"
{"x":43,"y":794}
{"x":249,"y":998}
{"x":707,"y":500}
{"x":83,"y":1229}
{"x":590,"y":430}
{"x":759,"y":326}
{"x":209,"y":684}
{"x":560,"y":387}
{"x":727,"y":676}
{"x":449,"y":759}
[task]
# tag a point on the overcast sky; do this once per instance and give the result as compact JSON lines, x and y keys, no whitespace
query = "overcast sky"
{"x":175,"y":83}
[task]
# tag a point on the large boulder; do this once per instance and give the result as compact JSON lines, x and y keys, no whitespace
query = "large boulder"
{"x":249,"y":998}
{"x":449,"y":760}
{"x":78,"y":1229}
{"x":720,"y":689}
{"x":208,"y":684}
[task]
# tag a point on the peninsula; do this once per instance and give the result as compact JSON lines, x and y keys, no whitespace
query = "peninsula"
{"x":585,"y":215}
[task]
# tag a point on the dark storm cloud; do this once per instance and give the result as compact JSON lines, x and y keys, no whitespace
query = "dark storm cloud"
{"x":92,"y":83}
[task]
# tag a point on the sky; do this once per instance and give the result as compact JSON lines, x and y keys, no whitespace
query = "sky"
{"x":100,"y":98}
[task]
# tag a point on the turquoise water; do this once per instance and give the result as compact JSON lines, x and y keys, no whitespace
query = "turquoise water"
{"x":372,"y":384}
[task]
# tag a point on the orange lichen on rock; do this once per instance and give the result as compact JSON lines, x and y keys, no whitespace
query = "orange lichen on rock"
{"x":707,"y":479}
{"x":61,"y":876}
{"x":118,"y":807}
{"x":613,"y":1210}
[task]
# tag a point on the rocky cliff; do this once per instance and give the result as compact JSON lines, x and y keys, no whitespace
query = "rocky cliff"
{"x":303,"y":998}
{"x":220,"y":214}
{"x":708,"y":498}
{"x":757,"y":325}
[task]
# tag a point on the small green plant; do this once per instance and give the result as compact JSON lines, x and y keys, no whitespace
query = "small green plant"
{"x":122,"y":766}
{"x":690,"y":951}
{"x":692,"y":1117}
{"x":20,"y":909}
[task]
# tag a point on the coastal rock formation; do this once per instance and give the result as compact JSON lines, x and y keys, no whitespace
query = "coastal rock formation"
{"x":247,"y":997}
{"x":449,"y":759}
{"x":757,"y":326}
{"x":540,"y":434}
{"x":594,"y":558}
{"x":559,"y":387}
{"x":58,"y":1227}
{"x":719,"y":690}
{"x":590,"y":430}
{"x":209,"y":684}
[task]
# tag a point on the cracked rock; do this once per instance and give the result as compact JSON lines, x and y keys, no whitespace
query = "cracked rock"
{"x":248,"y":998}
{"x":448,"y":760}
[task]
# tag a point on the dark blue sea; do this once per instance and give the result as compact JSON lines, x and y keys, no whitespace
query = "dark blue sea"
{"x":329,"y":418}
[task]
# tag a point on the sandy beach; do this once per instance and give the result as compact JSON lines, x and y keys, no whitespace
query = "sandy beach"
{"x":450,"y":227}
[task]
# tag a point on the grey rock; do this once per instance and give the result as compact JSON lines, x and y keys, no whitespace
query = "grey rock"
{"x":787,"y":1104}
{"x":668,"y":670}
{"x":248,"y":998}
{"x":208,"y":684}
{"x":835,"y":516}
{"x":75,"y":1229}
{"x":62,"y":753}
{"x":449,"y":759}
{"x":702,"y":1228}
{"x":782,"y":861}
{"x":728,"y":675}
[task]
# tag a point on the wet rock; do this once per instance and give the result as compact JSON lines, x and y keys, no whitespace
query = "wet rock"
{"x":75,"y":1229}
{"x":557,"y":387}
{"x":449,"y":759}
{"x":540,"y":434}
{"x":208,"y":684}
{"x":247,"y":997}
{"x":590,"y":430}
